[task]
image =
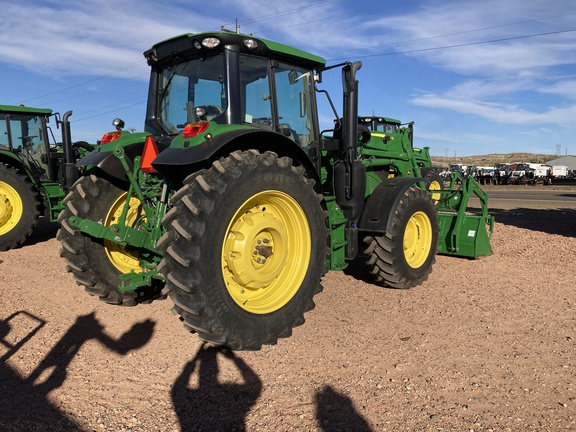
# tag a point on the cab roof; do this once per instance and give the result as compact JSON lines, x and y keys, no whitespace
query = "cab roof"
{"x":189,"y":44}
{"x":24,"y":110}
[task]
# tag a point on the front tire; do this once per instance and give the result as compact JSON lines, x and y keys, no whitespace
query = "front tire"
{"x":403,"y":257}
{"x":244,"y":250}
{"x":434,"y":182}
{"x":95,"y":263}
{"x":19,"y":207}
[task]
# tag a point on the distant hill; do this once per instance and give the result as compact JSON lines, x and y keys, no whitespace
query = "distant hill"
{"x":491,"y":159}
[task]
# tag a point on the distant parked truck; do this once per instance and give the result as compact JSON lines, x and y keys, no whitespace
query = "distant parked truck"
{"x":541,"y":173}
{"x":502,"y":174}
{"x":520,"y":173}
{"x":485,"y":175}
{"x":560,"y":171}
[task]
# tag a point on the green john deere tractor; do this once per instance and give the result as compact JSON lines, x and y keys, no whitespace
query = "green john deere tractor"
{"x":35,"y":171}
{"x":234,"y":203}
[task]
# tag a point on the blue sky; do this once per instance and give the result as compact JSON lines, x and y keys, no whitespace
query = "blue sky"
{"x":476,"y":76}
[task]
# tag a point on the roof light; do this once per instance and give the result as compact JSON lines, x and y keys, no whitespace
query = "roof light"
{"x":251,"y":44}
{"x":108,"y":137}
{"x":148,"y":155}
{"x":200,"y":112}
{"x":118,"y":123}
{"x":194,"y":129}
{"x":210,"y":42}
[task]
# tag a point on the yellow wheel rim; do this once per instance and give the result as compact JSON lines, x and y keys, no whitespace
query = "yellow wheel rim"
{"x":435,"y":186}
{"x":11,"y":208}
{"x":123,"y":260}
{"x":417,"y":239}
{"x":266,"y":252}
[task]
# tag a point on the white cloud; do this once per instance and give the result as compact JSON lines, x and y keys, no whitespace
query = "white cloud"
{"x":86,"y":38}
{"x":499,"y":112}
{"x":466,"y":23}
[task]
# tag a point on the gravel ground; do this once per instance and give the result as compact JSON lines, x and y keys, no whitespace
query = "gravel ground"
{"x":483,"y":345}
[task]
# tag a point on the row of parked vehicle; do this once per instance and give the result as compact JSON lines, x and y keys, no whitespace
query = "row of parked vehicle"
{"x":514,"y":173}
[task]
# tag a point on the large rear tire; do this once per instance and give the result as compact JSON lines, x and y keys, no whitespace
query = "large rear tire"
{"x":244,"y":250}
{"x":403,"y":257}
{"x":19,"y":207}
{"x":97,"y":264}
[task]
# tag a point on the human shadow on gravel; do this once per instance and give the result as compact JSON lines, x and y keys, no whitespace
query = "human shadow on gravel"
{"x":213,"y":405}
{"x":335,"y":412}
{"x":24,"y":402}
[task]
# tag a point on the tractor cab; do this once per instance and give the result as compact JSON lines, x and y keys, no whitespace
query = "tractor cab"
{"x":383,"y":125}
{"x":232,"y":88}
{"x":24,"y":133}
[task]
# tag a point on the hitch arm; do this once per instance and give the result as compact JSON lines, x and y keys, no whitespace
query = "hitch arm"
{"x":120,"y":234}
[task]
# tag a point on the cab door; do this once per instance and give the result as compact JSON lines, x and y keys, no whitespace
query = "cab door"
{"x":27,"y":138}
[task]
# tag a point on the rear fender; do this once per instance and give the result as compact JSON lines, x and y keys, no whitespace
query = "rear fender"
{"x":104,"y":157}
{"x":9,"y":158}
{"x":380,"y":206}
{"x":177,"y":163}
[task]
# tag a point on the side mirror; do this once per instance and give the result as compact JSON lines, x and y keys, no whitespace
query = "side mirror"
{"x":292,"y":77}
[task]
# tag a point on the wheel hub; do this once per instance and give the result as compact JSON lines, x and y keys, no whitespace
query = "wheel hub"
{"x":11,"y":208}
{"x":251,"y":246}
{"x":265,"y":252}
{"x":417,"y":239}
{"x":125,"y":261}
{"x":5,"y":209}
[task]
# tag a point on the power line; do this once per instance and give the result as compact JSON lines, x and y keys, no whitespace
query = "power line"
{"x":459,"y":45}
{"x":288,"y":12}
{"x":140,"y":101}
{"x":467,"y":31}
{"x":115,"y":72}
{"x":99,"y":89}
{"x":301,"y":23}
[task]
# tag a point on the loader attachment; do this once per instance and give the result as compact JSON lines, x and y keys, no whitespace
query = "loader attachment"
{"x":464,"y":233}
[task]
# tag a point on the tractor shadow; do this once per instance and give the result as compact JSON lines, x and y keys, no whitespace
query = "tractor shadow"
{"x":44,"y":231}
{"x":24,"y":402}
{"x":550,"y":221}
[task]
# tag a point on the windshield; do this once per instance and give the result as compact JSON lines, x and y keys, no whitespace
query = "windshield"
{"x":187,"y":86}
{"x":271,"y":96}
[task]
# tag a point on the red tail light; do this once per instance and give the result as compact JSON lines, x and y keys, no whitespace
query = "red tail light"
{"x":148,"y":155}
{"x":194,"y":129}
{"x":110,"y":136}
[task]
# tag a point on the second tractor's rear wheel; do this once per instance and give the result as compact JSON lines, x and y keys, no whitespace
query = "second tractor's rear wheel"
{"x":403,"y":257}
{"x":245,"y":249}
{"x":95,"y":263}
{"x":19,"y":207}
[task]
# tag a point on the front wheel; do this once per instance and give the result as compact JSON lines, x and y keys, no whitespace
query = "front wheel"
{"x":244,"y":249}
{"x":19,"y":207}
{"x":434,"y":182}
{"x":403,"y":257}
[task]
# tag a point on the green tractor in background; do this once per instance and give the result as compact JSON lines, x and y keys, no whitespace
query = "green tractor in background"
{"x":234,"y":203}
{"x":391,"y":143}
{"x":35,"y":171}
